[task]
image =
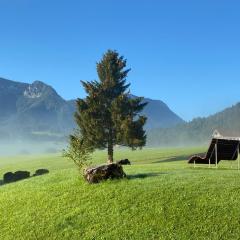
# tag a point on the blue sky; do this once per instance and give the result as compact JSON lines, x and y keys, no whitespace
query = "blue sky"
{"x":186,"y":53}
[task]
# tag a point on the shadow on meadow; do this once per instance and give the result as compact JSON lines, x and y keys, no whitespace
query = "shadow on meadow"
{"x":177,"y":158}
{"x":144,"y":175}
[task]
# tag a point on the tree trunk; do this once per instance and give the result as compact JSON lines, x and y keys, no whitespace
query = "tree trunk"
{"x":110,"y":152}
{"x":110,"y":146}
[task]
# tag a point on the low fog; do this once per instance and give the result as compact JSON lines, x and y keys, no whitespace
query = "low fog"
{"x":25,"y":147}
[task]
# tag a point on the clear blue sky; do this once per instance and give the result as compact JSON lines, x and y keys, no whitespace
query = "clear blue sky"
{"x":186,"y":53}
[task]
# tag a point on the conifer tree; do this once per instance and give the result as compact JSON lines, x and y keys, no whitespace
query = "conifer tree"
{"x":109,"y":116}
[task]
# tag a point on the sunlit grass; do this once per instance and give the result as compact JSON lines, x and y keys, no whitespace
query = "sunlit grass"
{"x":162,"y":198}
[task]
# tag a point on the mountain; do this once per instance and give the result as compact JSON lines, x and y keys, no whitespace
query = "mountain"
{"x":159,"y":115}
{"x":28,"y":110}
{"x":36,"y":111}
{"x":198,"y":131}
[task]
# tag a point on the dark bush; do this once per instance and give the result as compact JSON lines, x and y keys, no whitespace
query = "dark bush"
{"x":20,"y":175}
{"x":40,"y":172}
{"x":13,"y":177}
{"x":8,"y":177}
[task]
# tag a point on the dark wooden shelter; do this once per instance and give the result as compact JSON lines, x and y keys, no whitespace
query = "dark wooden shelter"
{"x":220,"y":148}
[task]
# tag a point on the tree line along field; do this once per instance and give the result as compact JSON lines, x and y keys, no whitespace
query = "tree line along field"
{"x":162,"y":198}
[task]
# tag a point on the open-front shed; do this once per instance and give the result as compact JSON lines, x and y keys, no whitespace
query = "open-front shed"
{"x":220,"y":148}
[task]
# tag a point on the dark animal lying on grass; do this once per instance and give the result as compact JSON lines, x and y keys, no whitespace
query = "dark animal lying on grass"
{"x":40,"y":172}
{"x":13,"y":177}
{"x":124,"y":162}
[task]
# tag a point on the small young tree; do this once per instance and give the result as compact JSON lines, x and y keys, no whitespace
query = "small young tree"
{"x":78,"y":151}
{"x":108,"y":116}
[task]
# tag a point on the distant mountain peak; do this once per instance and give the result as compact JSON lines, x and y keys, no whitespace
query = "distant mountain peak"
{"x":39,"y":89}
{"x":33,"y":90}
{"x":159,"y":114}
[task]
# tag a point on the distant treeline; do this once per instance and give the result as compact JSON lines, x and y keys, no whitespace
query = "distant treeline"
{"x":199,"y":130}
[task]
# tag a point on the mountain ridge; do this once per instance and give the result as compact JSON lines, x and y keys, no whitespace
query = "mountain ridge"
{"x":27,"y":108}
{"x":199,"y":130}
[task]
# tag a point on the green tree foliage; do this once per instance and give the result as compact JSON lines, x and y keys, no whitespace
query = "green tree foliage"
{"x":108,"y":116}
{"x":78,"y":151}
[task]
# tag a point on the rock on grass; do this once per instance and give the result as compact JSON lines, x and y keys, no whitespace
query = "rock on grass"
{"x":104,"y":172}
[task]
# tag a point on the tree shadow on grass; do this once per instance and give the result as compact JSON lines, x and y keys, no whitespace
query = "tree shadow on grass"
{"x":1,"y":182}
{"x":144,"y":175}
{"x":178,"y":158}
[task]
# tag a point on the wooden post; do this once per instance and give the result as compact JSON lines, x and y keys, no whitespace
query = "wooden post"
{"x":194,"y":164}
{"x":238,"y":158}
{"x":209,"y":163}
{"x":216,"y":155}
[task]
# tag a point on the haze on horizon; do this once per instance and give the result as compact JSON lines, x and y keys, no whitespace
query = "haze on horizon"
{"x":184,"y":53}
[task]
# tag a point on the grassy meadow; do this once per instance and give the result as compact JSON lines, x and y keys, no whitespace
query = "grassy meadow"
{"x":162,"y":198}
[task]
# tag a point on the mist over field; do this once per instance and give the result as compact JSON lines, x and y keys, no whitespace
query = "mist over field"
{"x":26,"y":147}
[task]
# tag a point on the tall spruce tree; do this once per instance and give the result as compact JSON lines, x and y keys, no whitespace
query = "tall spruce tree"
{"x":109,"y":116}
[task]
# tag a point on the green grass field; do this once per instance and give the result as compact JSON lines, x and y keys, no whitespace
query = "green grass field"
{"x":162,"y":198}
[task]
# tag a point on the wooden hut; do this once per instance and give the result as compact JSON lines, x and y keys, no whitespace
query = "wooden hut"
{"x":220,"y":148}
